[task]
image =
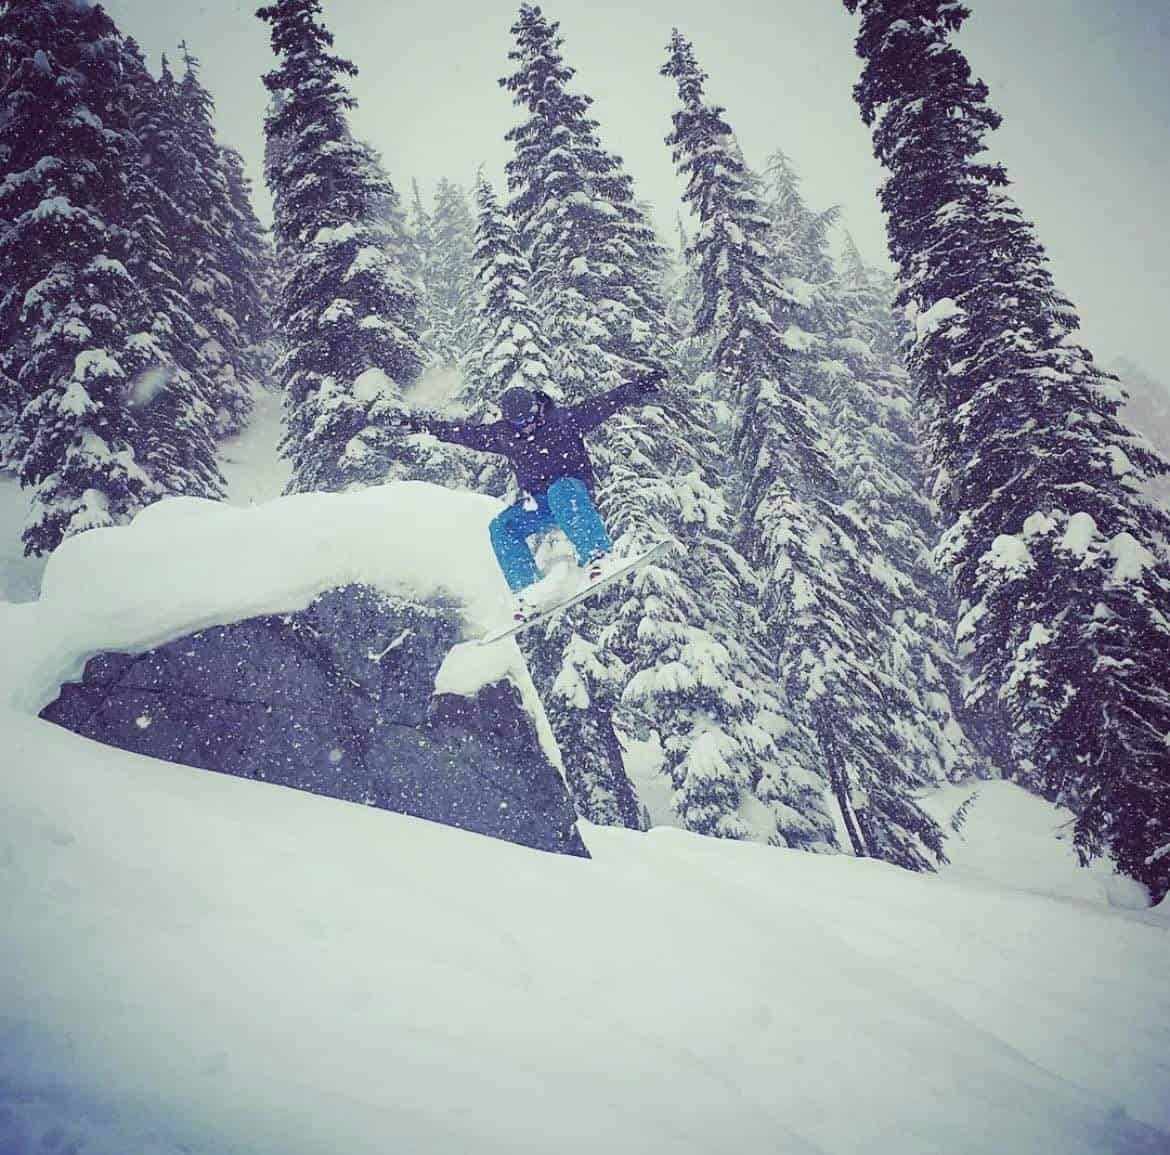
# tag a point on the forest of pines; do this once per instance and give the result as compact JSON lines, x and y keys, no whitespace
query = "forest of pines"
{"x":912,"y":538}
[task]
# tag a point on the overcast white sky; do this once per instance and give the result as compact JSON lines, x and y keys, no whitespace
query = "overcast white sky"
{"x":1082,"y":84}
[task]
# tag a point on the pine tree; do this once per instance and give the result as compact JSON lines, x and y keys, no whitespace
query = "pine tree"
{"x":1063,"y":584}
{"x":450,"y":278}
{"x":560,"y":224}
{"x":669,"y":651}
{"x":248,"y":264}
{"x":692,"y":352}
{"x":844,"y":353}
{"x":347,"y":311}
{"x":878,"y":443}
{"x":64,"y":194}
{"x":422,"y":248}
{"x":170,"y":395}
{"x":510,"y":347}
{"x":821,"y":609}
{"x":593,"y":252}
{"x":213,"y":260}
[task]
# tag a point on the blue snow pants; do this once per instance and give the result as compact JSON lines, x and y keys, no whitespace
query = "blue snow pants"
{"x":566,"y":504}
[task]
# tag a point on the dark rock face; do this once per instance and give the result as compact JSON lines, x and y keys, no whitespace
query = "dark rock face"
{"x":337,"y":700}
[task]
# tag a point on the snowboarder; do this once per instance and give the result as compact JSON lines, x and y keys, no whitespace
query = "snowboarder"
{"x":544,"y":443}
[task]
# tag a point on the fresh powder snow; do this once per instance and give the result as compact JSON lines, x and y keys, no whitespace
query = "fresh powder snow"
{"x":199,"y":963}
{"x":20,"y":576}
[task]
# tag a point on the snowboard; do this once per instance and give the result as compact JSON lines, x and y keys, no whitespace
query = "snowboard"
{"x":587,"y":591}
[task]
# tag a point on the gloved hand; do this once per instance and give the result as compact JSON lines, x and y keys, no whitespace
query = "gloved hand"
{"x":651,"y":380}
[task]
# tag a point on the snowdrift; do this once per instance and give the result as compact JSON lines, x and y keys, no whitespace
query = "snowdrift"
{"x":203,"y":964}
{"x":186,"y":564}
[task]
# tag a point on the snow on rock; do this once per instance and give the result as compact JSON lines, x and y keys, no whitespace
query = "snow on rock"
{"x":185,"y":564}
{"x":469,"y":667}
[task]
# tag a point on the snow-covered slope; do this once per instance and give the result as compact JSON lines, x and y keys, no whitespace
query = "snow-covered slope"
{"x":20,"y":576}
{"x":252,"y":468}
{"x":207,"y":964}
{"x":1015,"y":840}
{"x":203,"y":964}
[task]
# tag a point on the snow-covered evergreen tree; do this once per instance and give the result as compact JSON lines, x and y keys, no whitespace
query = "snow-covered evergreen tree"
{"x":1055,"y":556}
{"x":449,"y":279}
{"x":248,"y":264}
{"x":842,"y":336}
{"x":593,"y":251}
{"x":674,"y":642}
{"x":876,"y":443}
{"x":560,"y":223}
{"x":169,"y":390}
{"x":692,"y":351}
{"x":822,"y":610}
{"x":347,"y":311}
{"x":510,"y":347}
{"x":68,"y":297}
{"x":213,"y":259}
{"x":422,"y":247}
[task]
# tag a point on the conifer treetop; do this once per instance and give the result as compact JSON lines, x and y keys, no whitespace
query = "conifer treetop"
{"x":1057,"y":558}
{"x":301,"y":43}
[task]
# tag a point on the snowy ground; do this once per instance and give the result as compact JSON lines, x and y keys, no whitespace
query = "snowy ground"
{"x":201,"y":964}
{"x":251,"y":467}
{"x":20,"y":576}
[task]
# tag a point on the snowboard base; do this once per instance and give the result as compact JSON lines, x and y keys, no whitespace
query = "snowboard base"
{"x":586,"y":591}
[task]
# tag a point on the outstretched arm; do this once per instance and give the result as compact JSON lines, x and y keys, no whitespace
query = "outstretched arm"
{"x":466,"y":433}
{"x":590,"y":414}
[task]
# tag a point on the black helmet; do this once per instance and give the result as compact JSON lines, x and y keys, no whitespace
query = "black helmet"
{"x":519,"y":405}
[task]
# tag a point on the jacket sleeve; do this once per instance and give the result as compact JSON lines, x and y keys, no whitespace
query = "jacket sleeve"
{"x":483,"y":437}
{"x":590,"y":414}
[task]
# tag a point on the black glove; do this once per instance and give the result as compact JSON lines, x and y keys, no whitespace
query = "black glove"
{"x":651,"y":381}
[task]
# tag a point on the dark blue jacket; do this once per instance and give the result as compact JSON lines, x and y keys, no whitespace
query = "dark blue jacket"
{"x":553,"y":448}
